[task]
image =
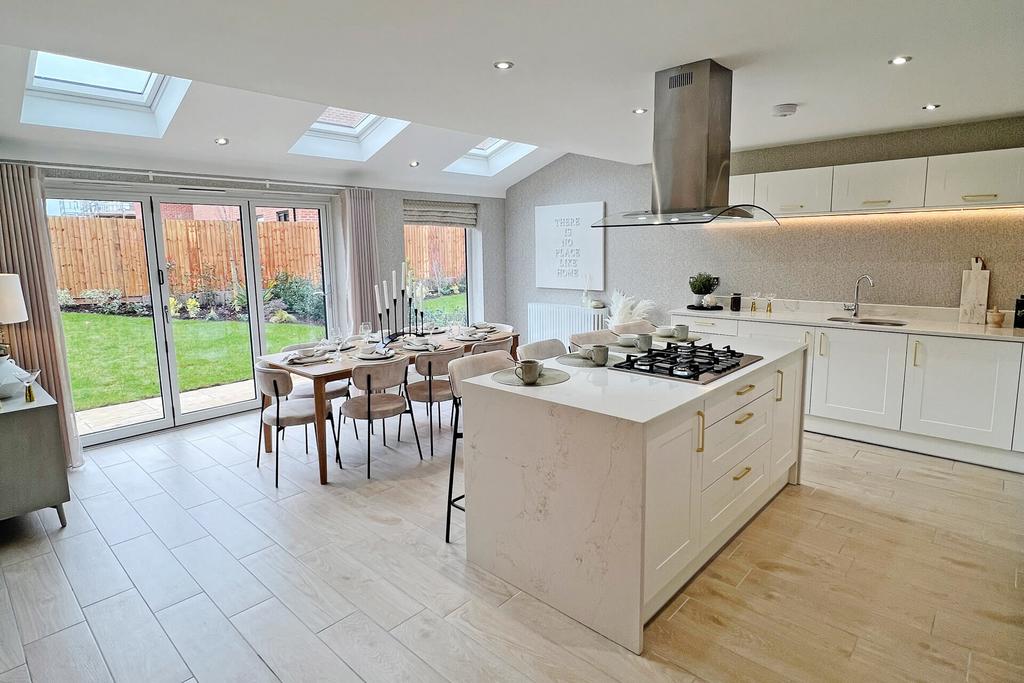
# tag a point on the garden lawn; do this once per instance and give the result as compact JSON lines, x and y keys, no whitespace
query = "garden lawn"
{"x":444,"y":308}
{"x":113,"y":357}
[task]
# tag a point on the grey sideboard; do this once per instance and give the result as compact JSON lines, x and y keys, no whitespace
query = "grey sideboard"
{"x":33,"y":468}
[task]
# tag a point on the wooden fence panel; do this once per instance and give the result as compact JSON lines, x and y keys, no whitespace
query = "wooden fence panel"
{"x":432,"y":250}
{"x":110,"y":253}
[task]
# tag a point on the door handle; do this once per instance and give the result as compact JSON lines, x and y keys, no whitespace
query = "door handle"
{"x":745,"y":472}
{"x":167,"y":315}
{"x":746,"y":416}
{"x":917,"y":345}
{"x":746,"y":390}
{"x":700,"y":432}
{"x":821,"y":343}
{"x":782,"y":380}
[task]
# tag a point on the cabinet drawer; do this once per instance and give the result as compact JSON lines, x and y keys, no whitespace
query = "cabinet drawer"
{"x":722,"y":502}
{"x":755,"y":385}
{"x":701,"y":326}
{"x":732,"y":439}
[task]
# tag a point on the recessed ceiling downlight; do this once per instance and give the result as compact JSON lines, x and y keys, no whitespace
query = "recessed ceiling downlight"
{"x":503,"y":65}
{"x":221,"y":141}
{"x":783,"y":110}
{"x":931,"y":106}
{"x":639,"y":110}
{"x":414,"y":163}
{"x":900,"y":60}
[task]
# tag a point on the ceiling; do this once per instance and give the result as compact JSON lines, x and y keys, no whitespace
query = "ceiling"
{"x":264,"y":69}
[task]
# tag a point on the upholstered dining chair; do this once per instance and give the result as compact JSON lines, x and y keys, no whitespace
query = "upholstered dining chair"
{"x":459,"y":370}
{"x":502,"y":327}
{"x":633,"y":327}
{"x":281,"y":413}
{"x":335,"y":389}
{"x":581,"y":339}
{"x":374,"y":379}
{"x":492,"y":345}
{"x":541,"y":350}
{"x":431,"y":390}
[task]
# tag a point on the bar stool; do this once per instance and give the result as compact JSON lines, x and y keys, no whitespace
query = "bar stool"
{"x":581,"y":339}
{"x":460,"y":370}
{"x":431,"y":365}
{"x":541,"y":350}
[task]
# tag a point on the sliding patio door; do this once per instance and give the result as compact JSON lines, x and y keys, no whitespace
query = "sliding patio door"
{"x":166,"y":301}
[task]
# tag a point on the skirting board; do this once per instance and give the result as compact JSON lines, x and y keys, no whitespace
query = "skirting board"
{"x":665,"y":595}
{"x":929,"y":445}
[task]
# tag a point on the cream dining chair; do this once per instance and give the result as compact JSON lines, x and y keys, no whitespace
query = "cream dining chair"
{"x":581,"y":339}
{"x":459,"y":370}
{"x":541,"y":350}
{"x":492,"y":345}
{"x":431,"y":390}
{"x":284,"y":412}
{"x":633,"y":327}
{"x":335,"y":389}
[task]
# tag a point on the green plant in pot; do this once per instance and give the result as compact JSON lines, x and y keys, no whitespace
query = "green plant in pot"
{"x":702,"y":285}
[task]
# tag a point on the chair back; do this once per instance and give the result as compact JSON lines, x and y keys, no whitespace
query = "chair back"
{"x":380,"y":375}
{"x":541,"y":350}
{"x":580,"y":339}
{"x":266,"y":376}
{"x":462,"y":369}
{"x":303,"y":345}
{"x":502,"y":327}
{"x":633,"y":327}
{"x":436,"y":362}
{"x":493,"y":345}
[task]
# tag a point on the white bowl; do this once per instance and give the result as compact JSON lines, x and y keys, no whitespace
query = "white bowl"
{"x":627,"y":340}
{"x":667,"y":331}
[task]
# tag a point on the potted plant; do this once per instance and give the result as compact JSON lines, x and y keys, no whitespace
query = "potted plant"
{"x":702,"y":285}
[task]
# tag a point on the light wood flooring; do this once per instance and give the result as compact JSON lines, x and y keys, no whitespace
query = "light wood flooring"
{"x":181,"y":560}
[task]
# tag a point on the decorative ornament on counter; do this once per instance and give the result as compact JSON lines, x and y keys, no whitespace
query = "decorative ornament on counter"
{"x":974,"y":293}
{"x":625,"y":309}
{"x":702,"y":285}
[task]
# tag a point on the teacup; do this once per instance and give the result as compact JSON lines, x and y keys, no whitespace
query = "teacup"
{"x":665,"y":331}
{"x":644,"y":341}
{"x":682,"y":331}
{"x":528,"y":371}
{"x":597,"y":354}
{"x":627,"y":340}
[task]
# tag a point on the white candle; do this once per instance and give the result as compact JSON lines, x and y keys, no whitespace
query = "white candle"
{"x":394,"y":284}
{"x":405,"y":281}
{"x":386,"y":299}
{"x":376,"y":297}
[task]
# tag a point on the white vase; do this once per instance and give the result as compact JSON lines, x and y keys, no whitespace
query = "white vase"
{"x":698,"y":299}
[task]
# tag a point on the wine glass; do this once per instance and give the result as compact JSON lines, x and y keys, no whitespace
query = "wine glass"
{"x":365,"y":329}
{"x":28,"y":378}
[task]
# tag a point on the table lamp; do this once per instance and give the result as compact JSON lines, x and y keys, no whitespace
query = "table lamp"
{"x":12,"y":307}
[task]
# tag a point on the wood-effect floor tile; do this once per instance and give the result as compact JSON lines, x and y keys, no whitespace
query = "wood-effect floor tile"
{"x":68,"y":655}
{"x":230,"y":585}
{"x":160,"y":578}
{"x":41,"y":596}
{"x":91,"y":568}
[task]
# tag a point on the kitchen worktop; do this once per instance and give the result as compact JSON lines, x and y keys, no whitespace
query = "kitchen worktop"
{"x":920,"y":319}
{"x":634,"y":397}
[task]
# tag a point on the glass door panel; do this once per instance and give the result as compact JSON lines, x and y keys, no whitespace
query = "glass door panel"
{"x":292,"y":269}
{"x":104,"y":264}
{"x":205,"y":252}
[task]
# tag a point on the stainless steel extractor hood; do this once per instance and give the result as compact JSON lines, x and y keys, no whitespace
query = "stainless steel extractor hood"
{"x":692,"y":120}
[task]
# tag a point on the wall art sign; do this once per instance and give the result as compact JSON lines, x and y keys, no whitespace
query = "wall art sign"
{"x":570,"y":253}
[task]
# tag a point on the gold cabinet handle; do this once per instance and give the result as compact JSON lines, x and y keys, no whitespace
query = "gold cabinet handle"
{"x":702,"y":323}
{"x":791,"y":207}
{"x":700,"y":434}
{"x":807,"y":338}
{"x":876,"y":202}
{"x":746,"y":416}
{"x":782,"y":380}
{"x":821,"y":343}
{"x":979,"y":197}
{"x":745,"y":472}
{"x":917,"y":345}
{"x":746,"y":390}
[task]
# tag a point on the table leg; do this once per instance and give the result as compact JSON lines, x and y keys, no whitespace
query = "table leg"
{"x":320,"y":405}
{"x":268,"y":435}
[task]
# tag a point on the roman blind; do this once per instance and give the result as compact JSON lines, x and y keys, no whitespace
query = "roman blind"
{"x":422,"y":212}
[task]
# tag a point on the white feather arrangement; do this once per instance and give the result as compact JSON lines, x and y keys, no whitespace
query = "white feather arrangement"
{"x":626,"y":309}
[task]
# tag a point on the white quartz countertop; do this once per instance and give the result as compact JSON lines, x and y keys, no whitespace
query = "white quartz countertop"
{"x":635,"y":397}
{"x":919,"y":319}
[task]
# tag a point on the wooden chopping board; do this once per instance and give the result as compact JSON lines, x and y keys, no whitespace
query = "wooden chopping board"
{"x":974,"y":293}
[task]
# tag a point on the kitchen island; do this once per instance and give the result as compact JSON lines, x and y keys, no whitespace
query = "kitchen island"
{"x":603,"y":495}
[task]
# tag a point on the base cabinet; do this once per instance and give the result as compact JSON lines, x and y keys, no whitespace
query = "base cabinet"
{"x":962,"y":389}
{"x":786,"y":423}
{"x":795,"y":333}
{"x":857,"y":376}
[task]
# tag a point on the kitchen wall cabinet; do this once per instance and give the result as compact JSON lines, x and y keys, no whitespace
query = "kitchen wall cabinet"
{"x":879,"y":185}
{"x":786,"y":423}
{"x":961,"y":389}
{"x":976,"y":178}
{"x":793,"y":333}
{"x":672,"y":528}
{"x":788,"y":193}
{"x":857,"y":376}
{"x":741,"y":189}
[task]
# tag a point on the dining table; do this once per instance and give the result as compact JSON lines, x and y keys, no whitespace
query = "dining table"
{"x":340,"y":367}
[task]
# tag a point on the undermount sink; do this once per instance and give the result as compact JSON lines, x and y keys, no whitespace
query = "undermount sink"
{"x":883,"y":322}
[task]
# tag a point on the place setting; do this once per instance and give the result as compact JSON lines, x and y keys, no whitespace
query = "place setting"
{"x":589,"y":356}
{"x":530,"y":373}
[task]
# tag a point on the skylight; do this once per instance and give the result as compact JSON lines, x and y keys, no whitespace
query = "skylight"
{"x":488,"y":143}
{"x":347,"y":134}
{"x":68,"y":92}
{"x":490,"y":157}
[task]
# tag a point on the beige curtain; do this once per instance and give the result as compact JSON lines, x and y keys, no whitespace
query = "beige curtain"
{"x":360,"y":231}
{"x":25,"y":249}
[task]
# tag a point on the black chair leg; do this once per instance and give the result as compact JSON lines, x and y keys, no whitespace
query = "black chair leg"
{"x":430,"y":426}
{"x":277,"y":456}
{"x":369,"y":424}
{"x":451,"y":479}
{"x":415,"y":432}
{"x":354,"y":428}
{"x":400,"y":427}
{"x":259,"y":437}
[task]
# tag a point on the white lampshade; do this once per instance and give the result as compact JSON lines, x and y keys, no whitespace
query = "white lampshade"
{"x":12,"y":302}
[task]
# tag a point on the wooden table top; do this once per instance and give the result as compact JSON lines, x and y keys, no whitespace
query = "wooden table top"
{"x":342,"y":368}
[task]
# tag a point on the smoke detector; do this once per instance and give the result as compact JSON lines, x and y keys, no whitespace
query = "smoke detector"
{"x":784,"y":110}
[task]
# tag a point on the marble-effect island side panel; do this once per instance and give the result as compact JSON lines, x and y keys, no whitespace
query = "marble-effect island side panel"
{"x":554,"y":506}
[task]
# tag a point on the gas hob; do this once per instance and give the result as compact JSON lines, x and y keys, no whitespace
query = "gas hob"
{"x":687,"y":362}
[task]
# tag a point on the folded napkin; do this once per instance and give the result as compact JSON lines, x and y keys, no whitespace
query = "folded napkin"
{"x":296,"y":359}
{"x":371,"y":354}
{"x":422,"y":346}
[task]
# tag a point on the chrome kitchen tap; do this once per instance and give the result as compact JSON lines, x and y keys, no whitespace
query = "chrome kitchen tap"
{"x":855,"y":306}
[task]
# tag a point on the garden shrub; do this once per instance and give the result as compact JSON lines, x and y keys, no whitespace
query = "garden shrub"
{"x":107,"y":301}
{"x":300,"y":296}
{"x":64,"y":298}
{"x":192,"y":307}
{"x":282,"y":316}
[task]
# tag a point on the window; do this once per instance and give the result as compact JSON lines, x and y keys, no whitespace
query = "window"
{"x":490,"y":157}
{"x":284,"y":215}
{"x":436,"y":258}
{"x":346,"y":134}
{"x":68,"y":92}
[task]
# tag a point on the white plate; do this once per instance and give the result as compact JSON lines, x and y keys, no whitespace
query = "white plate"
{"x":467,"y":338}
{"x":363,"y":355}
{"x":418,"y":347}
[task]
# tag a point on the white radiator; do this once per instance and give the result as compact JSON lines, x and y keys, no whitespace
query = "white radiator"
{"x":558,"y":321}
